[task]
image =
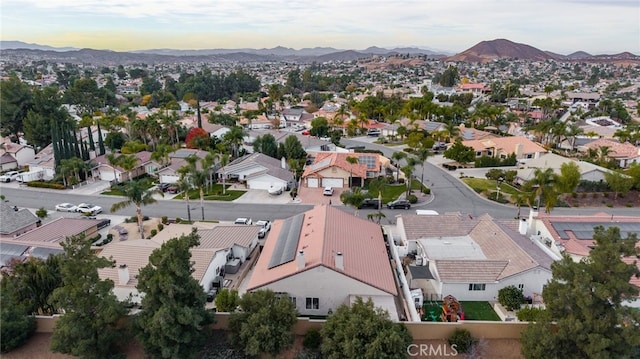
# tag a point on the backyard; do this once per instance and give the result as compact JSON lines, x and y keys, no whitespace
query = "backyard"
{"x":472,"y":311}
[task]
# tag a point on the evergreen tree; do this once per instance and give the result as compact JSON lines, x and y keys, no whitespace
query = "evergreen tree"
{"x":100,"y":141}
{"x":90,"y":327}
{"x":55,"y":137}
{"x":585,"y":299}
{"x":174,"y":322}
{"x":92,"y":145}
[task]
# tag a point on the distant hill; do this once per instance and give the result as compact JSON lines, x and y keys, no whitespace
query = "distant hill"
{"x":579,"y":55}
{"x":23,"y":45}
{"x":486,"y":51}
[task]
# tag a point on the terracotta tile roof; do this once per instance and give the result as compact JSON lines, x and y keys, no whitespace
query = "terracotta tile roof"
{"x":325,"y":231}
{"x":325,"y":160}
{"x":58,"y":230}
{"x":506,"y":144}
{"x":470,"y":271}
{"x":618,"y":150}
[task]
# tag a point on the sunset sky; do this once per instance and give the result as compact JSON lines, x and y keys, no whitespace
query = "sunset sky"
{"x":562,"y":26}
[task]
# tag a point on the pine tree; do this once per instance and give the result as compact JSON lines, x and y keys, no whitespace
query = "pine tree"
{"x":100,"y":141}
{"x":92,"y":144}
{"x":55,"y":143}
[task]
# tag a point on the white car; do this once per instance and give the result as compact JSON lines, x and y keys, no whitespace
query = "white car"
{"x":275,"y":190}
{"x":89,"y":208}
{"x":9,"y":176}
{"x":66,"y":207}
{"x":265,"y":226}
{"x":243,"y":221}
{"x":328,"y":191}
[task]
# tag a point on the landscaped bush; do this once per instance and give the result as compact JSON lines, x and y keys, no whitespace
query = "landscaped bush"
{"x":165,"y":219}
{"x":154,"y":232}
{"x":426,"y":190}
{"x":43,"y":184}
{"x":160,"y":227}
{"x":412,"y":198}
{"x":312,"y":339}
{"x":178,"y":220}
{"x":462,"y":339}
{"x":529,"y":314}
{"x":510,"y":297}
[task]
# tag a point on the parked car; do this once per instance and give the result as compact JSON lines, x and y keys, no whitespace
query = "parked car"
{"x":211,"y":295}
{"x":373,"y":132}
{"x":243,"y":220}
{"x":328,"y":191}
{"x":66,"y":207}
{"x":89,"y":208}
{"x":275,"y":190}
{"x":163,"y":186}
{"x":370,"y":203}
{"x":172,"y":189}
{"x":305,"y":133}
{"x":265,"y":226}
{"x":399,"y":203}
{"x":9,"y":176}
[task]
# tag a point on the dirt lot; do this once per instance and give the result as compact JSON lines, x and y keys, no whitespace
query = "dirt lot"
{"x":604,"y":200}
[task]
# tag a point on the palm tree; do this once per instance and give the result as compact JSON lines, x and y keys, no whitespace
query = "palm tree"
{"x":199,"y":179}
{"x":138,"y":195}
{"x":353,"y":197}
{"x":397,"y":156}
{"x":234,"y":138}
{"x":207,"y":164}
{"x":114,"y":161}
{"x":128,"y":163}
{"x":603,"y":153}
{"x":184,"y":185}
{"x":542,"y":185}
{"x":352,"y":161}
{"x":224,"y":161}
{"x":161,"y":154}
{"x":423,"y":154}
{"x":378,"y":216}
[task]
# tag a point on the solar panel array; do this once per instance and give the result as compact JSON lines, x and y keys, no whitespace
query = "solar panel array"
{"x":323,"y":163}
{"x":369,"y":161}
{"x":584,"y":230}
{"x":44,"y":253}
{"x":287,"y":242}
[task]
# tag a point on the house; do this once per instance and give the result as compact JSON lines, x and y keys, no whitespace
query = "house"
{"x":332,"y":169}
{"x":11,"y":253}
{"x":8,"y":162}
{"x":51,"y":234}
{"x":106,"y":172}
{"x":22,"y":153}
{"x":258,"y":171}
{"x":471,"y":258}
{"x":624,"y":154}
{"x":470,"y":133}
{"x":170,"y":173}
{"x":573,"y":235}
{"x":588,"y":171}
{"x":343,"y":256}
{"x":590,"y":98}
{"x":14,"y":221}
{"x":221,"y":250}
{"x":291,"y":117}
{"x":502,"y":147}
{"x":45,"y":162}
{"x":475,"y":89}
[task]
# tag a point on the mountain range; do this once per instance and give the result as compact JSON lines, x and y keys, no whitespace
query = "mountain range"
{"x":484,"y":51}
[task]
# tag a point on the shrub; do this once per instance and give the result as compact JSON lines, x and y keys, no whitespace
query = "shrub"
{"x":154,"y":232}
{"x":43,"y":184}
{"x":312,"y":339}
{"x":165,"y":219}
{"x":462,"y":339}
{"x":160,"y":227}
{"x":426,"y":190}
{"x":401,"y":180}
{"x":412,"y":198}
{"x":16,"y":327}
{"x":178,"y":220}
{"x":529,"y":314}
{"x":510,"y":297}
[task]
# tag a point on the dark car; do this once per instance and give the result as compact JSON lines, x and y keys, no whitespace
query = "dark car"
{"x":370,"y":203}
{"x":172,"y":189}
{"x":163,"y":186}
{"x":400,"y":203}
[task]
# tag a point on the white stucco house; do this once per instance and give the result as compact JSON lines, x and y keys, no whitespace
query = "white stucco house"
{"x":222,"y":250}
{"x":258,"y":171}
{"x":472,"y":258}
{"x":324,"y":258}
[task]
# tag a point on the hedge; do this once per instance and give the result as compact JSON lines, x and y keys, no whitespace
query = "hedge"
{"x":43,"y":184}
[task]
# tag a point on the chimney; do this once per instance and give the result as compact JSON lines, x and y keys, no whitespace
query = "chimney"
{"x":533,"y":213}
{"x":339,"y":261}
{"x":519,"y":148}
{"x":301,"y":261}
{"x":123,"y":274}
{"x":523,"y":227}
{"x":283,"y":163}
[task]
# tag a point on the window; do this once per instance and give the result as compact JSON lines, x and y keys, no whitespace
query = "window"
{"x":293,"y":300}
{"x":477,"y":286}
{"x":529,"y":155}
{"x":313,"y":303}
{"x":521,"y":286}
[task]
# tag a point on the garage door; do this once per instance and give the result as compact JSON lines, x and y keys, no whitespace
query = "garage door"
{"x":107,"y":174}
{"x":169,"y":179}
{"x":332,"y":182}
{"x":264,"y":184}
{"x":312,"y":182}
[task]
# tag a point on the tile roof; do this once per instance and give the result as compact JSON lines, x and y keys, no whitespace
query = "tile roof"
{"x":470,"y":271}
{"x":58,"y":230}
{"x":11,"y":220}
{"x":326,"y":231}
{"x":506,"y":144}
{"x":7,"y":158}
{"x":618,"y":150}
{"x":325,"y":160}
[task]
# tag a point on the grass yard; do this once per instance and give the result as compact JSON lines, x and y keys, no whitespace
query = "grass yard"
{"x":117,"y":189}
{"x":215,"y":194}
{"x":391,"y":192}
{"x":479,"y":311}
{"x":486,"y":185}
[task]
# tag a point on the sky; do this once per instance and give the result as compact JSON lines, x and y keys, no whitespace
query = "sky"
{"x":561,"y":26}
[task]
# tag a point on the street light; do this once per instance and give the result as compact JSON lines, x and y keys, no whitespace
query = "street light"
{"x":500,"y":180}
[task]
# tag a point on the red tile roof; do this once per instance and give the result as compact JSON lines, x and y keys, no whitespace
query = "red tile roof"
{"x":339,"y":159}
{"x":326,"y":231}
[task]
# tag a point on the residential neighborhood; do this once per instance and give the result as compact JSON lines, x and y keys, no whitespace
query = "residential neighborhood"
{"x":429,"y":189}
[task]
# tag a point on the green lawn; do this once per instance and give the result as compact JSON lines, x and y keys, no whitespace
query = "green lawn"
{"x":391,"y":192}
{"x":117,"y":189}
{"x":215,"y":194}
{"x":479,"y":311}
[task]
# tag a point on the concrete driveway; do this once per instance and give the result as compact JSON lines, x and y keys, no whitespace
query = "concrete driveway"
{"x":263,"y":196}
{"x":314,"y":196}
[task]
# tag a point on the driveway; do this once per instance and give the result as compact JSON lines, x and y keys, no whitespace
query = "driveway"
{"x":263,"y":196}
{"x":314,"y":196}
